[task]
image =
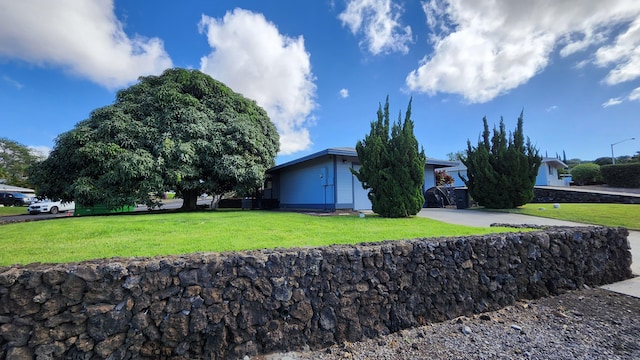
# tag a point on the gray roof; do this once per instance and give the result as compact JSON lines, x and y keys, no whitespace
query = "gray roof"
{"x":554,"y":161}
{"x":349,"y":152}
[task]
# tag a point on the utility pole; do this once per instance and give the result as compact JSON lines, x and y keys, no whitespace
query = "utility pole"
{"x":613,"y":159}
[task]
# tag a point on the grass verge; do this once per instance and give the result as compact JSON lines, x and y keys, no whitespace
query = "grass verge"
{"x":613,"y":215}
{"x":12,"y":210}
{"x":77,"y":239}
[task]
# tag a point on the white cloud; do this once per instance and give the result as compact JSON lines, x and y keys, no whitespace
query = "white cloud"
{"x":624,"y":55}
{"x":344,"y":93}
{"x":552,"y":108}
{"x":484,"y":49}
{"x":634,"y":95}
{"x":253,"y":58}
{"x":83,"y":37}
{"x":612,"y":102}
{"x":379,"y":21}
{"x":18,"y":85}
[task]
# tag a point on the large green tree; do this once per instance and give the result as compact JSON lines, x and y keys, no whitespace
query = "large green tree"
{"x":15,"y":160}
{"x":180,"y":131}
{"x":501,"y":172}
{"x":392,"y":166}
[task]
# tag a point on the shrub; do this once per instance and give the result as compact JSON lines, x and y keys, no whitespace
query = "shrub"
{"x":603,"y":160}
{"x":623,"y":175}
{"x":501,"y":170}
{"x":442,"y":178}
{"x":392,"y":166}
{"x":586,"y":174}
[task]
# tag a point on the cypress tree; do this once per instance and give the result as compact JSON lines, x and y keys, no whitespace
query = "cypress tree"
{"x":392,"y":166}
{"x":501,"y":172}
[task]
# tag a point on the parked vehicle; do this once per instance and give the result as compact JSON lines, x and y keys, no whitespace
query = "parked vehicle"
{"x":15,"y":199}
{"x":49,"y":206}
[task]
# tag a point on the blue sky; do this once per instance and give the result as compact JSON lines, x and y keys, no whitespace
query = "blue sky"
{"x":320,"y":68}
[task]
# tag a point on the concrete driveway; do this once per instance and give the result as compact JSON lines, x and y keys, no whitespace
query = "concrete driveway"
{"x":486,"y":218}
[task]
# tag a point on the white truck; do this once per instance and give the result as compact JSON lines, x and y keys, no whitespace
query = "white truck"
{"x":50,"y":206}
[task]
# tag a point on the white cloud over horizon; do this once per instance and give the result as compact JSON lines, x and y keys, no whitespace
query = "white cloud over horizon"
{"x":344,"y":93}
{"x":485,"y":49}
{"x":84,"y":38}
{"x":251,"y":56}
{"x":378,"y":20}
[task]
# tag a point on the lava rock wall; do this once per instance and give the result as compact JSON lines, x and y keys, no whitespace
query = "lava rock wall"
{"x":216,"y":306}
{"x":543,"y":194}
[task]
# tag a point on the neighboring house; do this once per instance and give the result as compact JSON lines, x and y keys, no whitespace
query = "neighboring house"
{"x":547,"y":173}
{"x":323,"y":181}
{"x":456,"y":172}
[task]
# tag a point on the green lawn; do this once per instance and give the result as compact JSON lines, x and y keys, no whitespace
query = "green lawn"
{"x":614,"y":215}
{"x":82,"y":238}
{"x":12,"y":210}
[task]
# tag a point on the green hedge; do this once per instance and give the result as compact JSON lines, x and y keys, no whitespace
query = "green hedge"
{"x":622,"y":175}
{"x":586,"y":174}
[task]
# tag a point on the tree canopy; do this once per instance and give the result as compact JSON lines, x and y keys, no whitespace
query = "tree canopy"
{"x":15,"y":160}
{"x":181,"y":131}
{"x":392,"y":166}
{"x":501,"y":172}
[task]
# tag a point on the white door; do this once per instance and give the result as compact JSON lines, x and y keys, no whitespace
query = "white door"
{"x":360,"y":199}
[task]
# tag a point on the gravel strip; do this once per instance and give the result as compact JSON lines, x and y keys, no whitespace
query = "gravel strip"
{"x":586,"y":324}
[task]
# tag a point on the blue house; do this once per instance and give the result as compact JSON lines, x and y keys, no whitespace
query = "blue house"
{"x":547,"y":173}
{"x":323,"y":181}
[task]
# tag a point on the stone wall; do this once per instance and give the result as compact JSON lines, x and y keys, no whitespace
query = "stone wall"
{"x":548,"y":195}
{"x":230,"y":305}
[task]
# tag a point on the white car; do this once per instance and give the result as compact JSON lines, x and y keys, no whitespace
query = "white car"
{"x":49,"y":206}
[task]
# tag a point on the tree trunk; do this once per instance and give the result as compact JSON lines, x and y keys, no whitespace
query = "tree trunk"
{"x":215,"y":201}
{"x":190,"y":199}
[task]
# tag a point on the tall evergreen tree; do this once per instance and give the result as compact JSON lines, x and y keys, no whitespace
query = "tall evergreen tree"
{"x":392,"y":165}
{"x":501,"y":172}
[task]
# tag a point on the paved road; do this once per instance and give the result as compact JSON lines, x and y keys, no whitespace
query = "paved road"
{"x":166,"y":205}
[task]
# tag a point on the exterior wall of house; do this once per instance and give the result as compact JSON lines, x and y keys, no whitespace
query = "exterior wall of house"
{"x":543,"y":177}
{"x":308,"y":185}
{"x":429,"y":178}
{"x":456,"y":175}
{"x":548,"y":176}
{"x":324,"y":183}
